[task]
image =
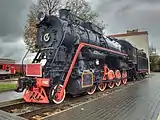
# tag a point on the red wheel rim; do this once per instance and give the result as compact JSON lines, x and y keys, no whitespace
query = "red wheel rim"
{"x":102,"y":86}
{"x":124,"y":77}
{"x":111,"y":76}
{"x":111,"y":85}
{"x":92,"y":90}
{"x":118,"y":76}
{"x":55,"y":98}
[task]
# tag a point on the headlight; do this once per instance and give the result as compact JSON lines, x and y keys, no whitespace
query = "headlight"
{"x":41,"y":16}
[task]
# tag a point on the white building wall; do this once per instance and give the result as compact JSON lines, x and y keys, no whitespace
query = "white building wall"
{"x":140,"y":42}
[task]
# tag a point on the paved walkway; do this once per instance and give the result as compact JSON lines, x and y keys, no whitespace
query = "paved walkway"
{"x":10,"y":95}
{"x":138,"y":102}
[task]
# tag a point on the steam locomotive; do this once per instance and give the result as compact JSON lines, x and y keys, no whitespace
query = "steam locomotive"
{"x":78,"y":59}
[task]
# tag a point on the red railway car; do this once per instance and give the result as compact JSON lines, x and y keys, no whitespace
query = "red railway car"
{"x":7,"y":68}
{"x":18,"y":68}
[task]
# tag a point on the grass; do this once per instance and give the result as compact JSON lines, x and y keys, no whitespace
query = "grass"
{"x":7,"y":86}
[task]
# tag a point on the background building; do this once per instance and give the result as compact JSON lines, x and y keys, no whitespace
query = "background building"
{"x":139,"y":39}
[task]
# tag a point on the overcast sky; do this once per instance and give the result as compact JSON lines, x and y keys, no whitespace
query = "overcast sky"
{"x":121,"y":15}
{"x":13,"y":15}
{"x":118,"y":14}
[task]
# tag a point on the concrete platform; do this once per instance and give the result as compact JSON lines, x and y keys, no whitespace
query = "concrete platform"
{"x":138,"y":102}
{"x":7,"y":116}
{"x":9,"y":95}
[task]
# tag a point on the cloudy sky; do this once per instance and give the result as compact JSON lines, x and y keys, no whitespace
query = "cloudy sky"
{"x":121,"y":15}
{"x":13,"y":15}
{"x":118,"y":14}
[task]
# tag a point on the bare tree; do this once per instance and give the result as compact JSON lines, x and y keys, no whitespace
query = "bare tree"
{"x":30,"y":32}
{"x":152,"y":50}
{"x":82,"y":9}
{"x":49,"y":6}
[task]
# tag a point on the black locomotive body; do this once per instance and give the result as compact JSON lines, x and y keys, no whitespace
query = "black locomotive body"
{"x":78,"y":59}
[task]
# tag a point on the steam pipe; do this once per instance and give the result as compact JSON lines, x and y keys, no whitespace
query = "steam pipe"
{"x":23,"y":60}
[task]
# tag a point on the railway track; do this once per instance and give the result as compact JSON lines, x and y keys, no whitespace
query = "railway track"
{"x":34,"y":111}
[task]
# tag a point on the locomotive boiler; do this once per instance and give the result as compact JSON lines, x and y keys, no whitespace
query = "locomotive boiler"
{"x":78,"y":58}
{"x":71,"y":30}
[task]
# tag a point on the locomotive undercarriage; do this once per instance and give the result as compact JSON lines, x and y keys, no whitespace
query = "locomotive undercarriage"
{"x":86,"y":73}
